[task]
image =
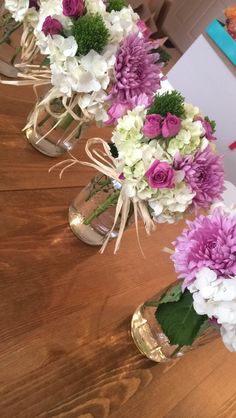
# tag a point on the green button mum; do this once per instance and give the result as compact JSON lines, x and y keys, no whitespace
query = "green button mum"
{"x":90,"y":32}
{"x":116,"y":5}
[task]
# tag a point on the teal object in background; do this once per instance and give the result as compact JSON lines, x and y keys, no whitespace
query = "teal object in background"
{"x":222,"y":39}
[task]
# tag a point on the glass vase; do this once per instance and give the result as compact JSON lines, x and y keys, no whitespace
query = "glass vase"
{"x":153,"y":343}
{"x":55,"y":130}
{"x":91,"y":215}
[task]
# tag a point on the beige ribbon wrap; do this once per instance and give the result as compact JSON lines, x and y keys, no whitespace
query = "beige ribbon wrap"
{"x":37,"y":76}
{"x":106,"y":164}
{"x":29,"y":49}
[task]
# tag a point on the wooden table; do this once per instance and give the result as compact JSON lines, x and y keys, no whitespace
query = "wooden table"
{"x":65,"y":345}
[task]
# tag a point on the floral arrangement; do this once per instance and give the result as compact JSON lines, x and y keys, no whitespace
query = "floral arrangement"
{"x":164,"y":160}
{"x":230,"y":14}
{"x":98,"y":58}
{"x":205,"y":258}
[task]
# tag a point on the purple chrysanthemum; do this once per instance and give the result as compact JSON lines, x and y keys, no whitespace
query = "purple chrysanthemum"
{"x":208,"y":242}
{"x":204,"y":173}
{"x":136,"y":69}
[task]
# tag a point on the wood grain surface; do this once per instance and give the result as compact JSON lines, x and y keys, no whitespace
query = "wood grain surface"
{"x":65,"y":345}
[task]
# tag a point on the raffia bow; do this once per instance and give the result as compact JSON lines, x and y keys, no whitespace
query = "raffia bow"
{"x":106,"y":164}
{"x":38,"y":76}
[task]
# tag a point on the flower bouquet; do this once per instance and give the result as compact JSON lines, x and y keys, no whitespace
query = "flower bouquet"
{"x":203,"y":303}
{"x":16,"y":14}
{"x":161,"y":162}
{"x":99,"y":61}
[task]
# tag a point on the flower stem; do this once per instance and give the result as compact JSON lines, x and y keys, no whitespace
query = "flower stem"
{"x":98,"y":185}
{"x":68,"y":119}
{"x":178,"y":348}
{"x":111,"y":200}
{"x":65,"y":122}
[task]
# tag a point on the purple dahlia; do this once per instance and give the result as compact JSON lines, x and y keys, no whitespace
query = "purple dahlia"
{"x":136,"y":71}
{"x":204,"y":173}
{"x":208,"y":242}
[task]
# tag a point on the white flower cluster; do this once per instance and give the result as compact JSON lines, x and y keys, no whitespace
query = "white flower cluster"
{"x":215,"y":297}
{"x":191,"y":135}
{"x":20,"y":11}
{"x":136,"y":155}
{"x":90,"y":74}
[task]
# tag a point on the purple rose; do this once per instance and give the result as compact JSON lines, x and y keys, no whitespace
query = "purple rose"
{"x":207,"y":128}
{"x":116,"y":111}
{"x":160,"y":175}
{"x":51,"y":26}
{"x":73,"y":8}
{"x":171,"y":125}
{"x":152,"y":126}
{"x":144,"y":29}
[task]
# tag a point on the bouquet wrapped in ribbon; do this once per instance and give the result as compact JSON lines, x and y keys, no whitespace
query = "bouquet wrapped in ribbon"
{"x":202,"y":304}
{"x":163,"y":159}
{"x":98,"y":59}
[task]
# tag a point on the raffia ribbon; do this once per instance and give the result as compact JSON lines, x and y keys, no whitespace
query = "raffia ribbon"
{"x":37,"y":76}
{"x":45,"y":104}
{"x":28,"y":44}
{"x":105,"y":163}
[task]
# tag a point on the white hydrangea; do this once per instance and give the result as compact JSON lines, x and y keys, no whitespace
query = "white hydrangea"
{"x":190,"y":111}
{"x":228,"y":334}
{"x":174,"y":202}
{"x":95,"y":6}
{"x":61,"y":48}
{"x":129,"y":127}
{"x":92,"y":105}
{"x":193,"y":127}
{"x":89,"y":73}
{"x":216,"y":297}
{"x":121,"y":23}
{"x":18,"y":8}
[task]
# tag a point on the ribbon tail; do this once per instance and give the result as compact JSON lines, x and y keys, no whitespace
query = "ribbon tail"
{"x":147,"y":220}
{"x":136,"y":227}
{"x":123,"y":222}
{"x":117,"y":213}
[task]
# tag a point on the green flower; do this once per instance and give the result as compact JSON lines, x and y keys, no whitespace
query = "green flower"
{"x":90,"y":32}
{"x":116,"y":5}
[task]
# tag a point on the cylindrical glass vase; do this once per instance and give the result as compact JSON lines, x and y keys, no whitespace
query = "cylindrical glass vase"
{"x":151,"y":340}
{"x":91,"y":215}
{"x":55,"y":130}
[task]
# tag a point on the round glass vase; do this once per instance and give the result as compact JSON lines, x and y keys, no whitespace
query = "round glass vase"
{"x":153,"y":343}
{"x":55,"y":132}
{"x":91,"y":215}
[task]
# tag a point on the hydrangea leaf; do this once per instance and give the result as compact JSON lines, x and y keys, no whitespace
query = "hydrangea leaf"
{"x":179,"y":321}
{"x":173,"y":294}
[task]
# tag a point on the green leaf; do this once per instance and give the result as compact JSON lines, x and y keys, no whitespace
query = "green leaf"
{"x":212,"y":123}
{"x":45,"y":62}
{"x":173,"y":294}
{"x":179,"y":321}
